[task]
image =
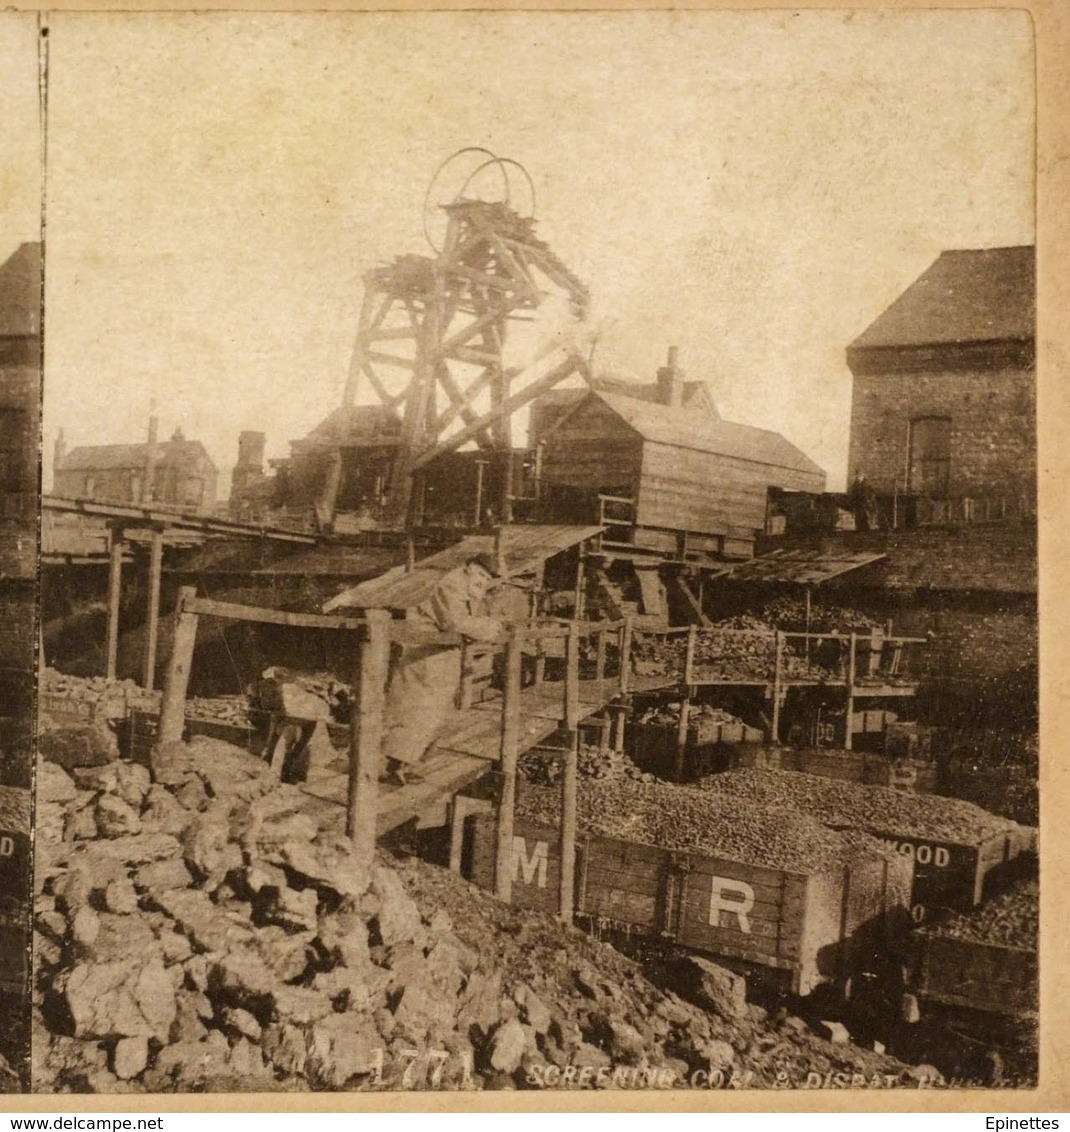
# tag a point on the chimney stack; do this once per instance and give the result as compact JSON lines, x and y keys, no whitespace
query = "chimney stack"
{"x":152,"y":455}
{"x":251,"y":451}
{"x":59,"y":452}
{"x":250,"y":466}
{"x":670,"y":382}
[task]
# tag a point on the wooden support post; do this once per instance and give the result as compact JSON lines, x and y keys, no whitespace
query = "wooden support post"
{"x":578,"y":603}
{"x":510,"y":749}
{"x":176,"y":681}
{"x":689,"y":657}
{"x":458,"y":812}
{"x":625,"y":655}
{"x":480,"y":465}
{"x":618,"y":738}
{"x":600,"y":659}
{"x":153,"y":618}
{"x":570,"y":777}
{"x":848,"y":728}
{"x":808,"y":588}
{"x":775,"y":737}
{"x":681,"y":736}
{"x":115,"y":581}
{"x":685,"y":705}
{"x":366,"y":733}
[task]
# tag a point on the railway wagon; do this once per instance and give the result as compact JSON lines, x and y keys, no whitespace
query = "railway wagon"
{"x":654,"y":745}
{"x":951,"y":875}
{"x":990,"y":977}
{"x":807,"y":928}
{"x":849,"y":766}
{"x":14,"y":887}
{"x":960,"y":855}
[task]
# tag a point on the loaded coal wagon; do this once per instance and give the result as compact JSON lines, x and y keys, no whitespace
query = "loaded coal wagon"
{"x":973,"y":978}
{"x":767,"y":893}
{"x":14,"y":888}
{"x":956,"y":850}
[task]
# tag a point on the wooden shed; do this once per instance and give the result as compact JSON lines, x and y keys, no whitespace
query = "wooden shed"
{"x":680,"y":467}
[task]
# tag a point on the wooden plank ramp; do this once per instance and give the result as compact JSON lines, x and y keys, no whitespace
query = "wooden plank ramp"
{"x":470,"y":747}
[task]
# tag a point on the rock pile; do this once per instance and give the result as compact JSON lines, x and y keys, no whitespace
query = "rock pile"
{"x":203,"y":928}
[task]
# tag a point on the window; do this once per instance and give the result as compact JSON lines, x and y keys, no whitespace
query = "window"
{"x":930,"y":456}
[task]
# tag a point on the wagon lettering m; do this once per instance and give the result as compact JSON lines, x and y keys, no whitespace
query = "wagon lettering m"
{"x":734,"y":897}
{"x":531,"y":869}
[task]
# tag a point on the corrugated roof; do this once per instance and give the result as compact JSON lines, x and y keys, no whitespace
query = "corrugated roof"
{"x":807,"y":567}
{"x":978,"y":295}
{"x":680,"y":428}
{"x":111,"y":457}
{"x":20,"y":293}
{"x":524,"y":547}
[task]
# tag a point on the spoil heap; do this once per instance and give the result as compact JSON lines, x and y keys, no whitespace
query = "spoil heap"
{"x":1010,"y":919}
{"x":690,"y":820}
{"x":199,"y":930}
{"x":849,"y":805}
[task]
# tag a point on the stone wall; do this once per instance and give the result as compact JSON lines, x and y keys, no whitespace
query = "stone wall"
{"x":993,"y":428}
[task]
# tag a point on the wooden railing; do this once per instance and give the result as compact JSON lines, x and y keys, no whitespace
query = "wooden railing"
{"x":860,"y":662}
{"x":373,"y":632}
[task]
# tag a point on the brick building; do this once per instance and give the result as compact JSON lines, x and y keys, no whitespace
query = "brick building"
{"x":20,"y":384}
{"x":20,"y":399}
{"x":177,"y":471}
{"x":944,"y":402}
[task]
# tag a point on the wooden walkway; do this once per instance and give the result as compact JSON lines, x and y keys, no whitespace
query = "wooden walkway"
{"x":470,"y":748}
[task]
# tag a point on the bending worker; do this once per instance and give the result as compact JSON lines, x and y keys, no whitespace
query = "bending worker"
{"x":425,"y":680}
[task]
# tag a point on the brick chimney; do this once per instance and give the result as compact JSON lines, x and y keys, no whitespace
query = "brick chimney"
{"x":671,"y":382}
{"x":59,"y":452}
{"x":251,"y":451}
{"x":152,"y":456}
{"x":250,"y":466}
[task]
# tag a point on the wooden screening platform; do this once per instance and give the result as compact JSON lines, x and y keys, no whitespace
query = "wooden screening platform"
{"x":470,"y":747}
{"x":807,"y":926}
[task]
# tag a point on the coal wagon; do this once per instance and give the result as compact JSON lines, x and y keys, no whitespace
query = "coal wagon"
{"x":805,"y":928}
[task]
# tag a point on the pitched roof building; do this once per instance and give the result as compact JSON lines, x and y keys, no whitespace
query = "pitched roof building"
{"x":177,"y":471}
{"x":944,"y":403}
{"x":680,"y":466}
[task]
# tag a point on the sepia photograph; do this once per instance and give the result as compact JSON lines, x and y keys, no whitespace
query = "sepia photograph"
{"x":538,"y":551}
{"x":20,"y":401}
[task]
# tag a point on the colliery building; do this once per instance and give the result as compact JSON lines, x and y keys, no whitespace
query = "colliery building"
{"x":177,"y":471}
{"x":944,"y":407}
{"x":677,"y":477}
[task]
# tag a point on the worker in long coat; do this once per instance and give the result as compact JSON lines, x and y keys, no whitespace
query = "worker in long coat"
{"x":425,"y":680}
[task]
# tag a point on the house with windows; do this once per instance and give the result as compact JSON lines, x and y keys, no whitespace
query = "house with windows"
{"x":943,"y":415}
{"x":178,"y":472}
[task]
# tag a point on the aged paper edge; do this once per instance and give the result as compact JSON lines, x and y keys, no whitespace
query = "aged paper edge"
{"x":1051,"y":23}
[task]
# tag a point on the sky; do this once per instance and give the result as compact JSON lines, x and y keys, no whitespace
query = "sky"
{"x":20,"y":154}
{"x":752,"y":187}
